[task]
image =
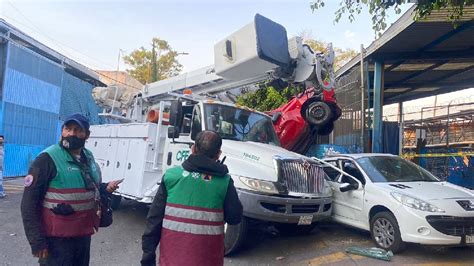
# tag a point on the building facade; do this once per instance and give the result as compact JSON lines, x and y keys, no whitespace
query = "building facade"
{"x":38,"y":88}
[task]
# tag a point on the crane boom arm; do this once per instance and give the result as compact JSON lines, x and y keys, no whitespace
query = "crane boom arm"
{"x":203,"y":81}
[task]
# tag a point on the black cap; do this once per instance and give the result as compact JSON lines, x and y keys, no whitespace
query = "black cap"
{"x":81,"y":120}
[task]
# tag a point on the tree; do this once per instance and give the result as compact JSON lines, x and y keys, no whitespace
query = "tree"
{"x":267,"y":97}
{"x":342,"y":55}
{"x":377,"y":9}
{"x":149,"y":66}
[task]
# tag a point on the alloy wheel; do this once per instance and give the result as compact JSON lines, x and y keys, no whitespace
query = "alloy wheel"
{"x":384,"y":233}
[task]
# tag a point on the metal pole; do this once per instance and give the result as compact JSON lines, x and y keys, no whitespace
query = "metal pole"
{"x":402,"y":128}
{"x":368,"y":147}
{"x":116,"y":83}
{"x":362,"y":100}
{"x":377,"y":145}
{"x":447,"y":127}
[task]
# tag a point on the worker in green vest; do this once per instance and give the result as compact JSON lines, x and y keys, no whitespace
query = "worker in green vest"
{"x":192,"y":204}
{"x":60,"y":206}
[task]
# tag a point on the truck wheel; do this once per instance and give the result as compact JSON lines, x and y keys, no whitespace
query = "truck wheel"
{"x":318,"y":113}
{"x":234,"y":236}
{"x":385,"y":232}
{"x":292,"y":229}
{"x":115,"y":202}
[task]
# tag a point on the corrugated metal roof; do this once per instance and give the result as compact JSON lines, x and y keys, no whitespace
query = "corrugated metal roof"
{"x":29,"y":126}
{"x":423,"y":58}
{"x":77,"y":98}
{"x":34,"y":65}
{"x":25,"y":90}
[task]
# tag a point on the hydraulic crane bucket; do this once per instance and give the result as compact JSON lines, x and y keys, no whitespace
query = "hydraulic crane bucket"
{"x":257,"y":48}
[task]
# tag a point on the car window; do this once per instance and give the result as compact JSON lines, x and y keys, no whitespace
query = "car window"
{"x":349,"y":167}
{"x":332,"y":174}
{"x":394,"y":169}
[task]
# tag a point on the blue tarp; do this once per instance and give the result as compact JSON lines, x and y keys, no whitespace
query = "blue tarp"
{"x":390,"y":137}
{"x":451,"y":168}
{"x":321,"y":150}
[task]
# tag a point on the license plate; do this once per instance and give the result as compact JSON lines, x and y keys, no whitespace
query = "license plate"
{"x":469,"y":239}
{"x":305,"y":220}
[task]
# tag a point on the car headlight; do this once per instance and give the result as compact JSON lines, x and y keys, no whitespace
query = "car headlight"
{"x":259,"y":185}
{"x":415,"y":203}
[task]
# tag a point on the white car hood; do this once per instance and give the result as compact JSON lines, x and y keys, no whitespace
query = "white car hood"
{"x":428,"y":190}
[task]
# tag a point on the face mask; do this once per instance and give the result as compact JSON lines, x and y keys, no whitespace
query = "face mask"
{"x":72,"y":142}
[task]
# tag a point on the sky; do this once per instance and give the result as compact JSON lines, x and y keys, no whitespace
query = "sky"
{"x":95,"y":32}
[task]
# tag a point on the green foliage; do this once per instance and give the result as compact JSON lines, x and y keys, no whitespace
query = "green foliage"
{"x":377,"y":9}
{"x":156,"y":64}
{"x":267,"y":98}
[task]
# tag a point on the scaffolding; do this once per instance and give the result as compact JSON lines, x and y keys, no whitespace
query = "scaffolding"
{"x":448,"y":126}
{"x":444,"y":142}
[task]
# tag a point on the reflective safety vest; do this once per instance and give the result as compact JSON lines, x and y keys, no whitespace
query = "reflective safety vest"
{"x":193,"y":226}
{"x":68,"y":187}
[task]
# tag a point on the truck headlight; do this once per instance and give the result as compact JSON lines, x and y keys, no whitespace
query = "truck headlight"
{"x":415,"y":203}
{"x":259,"y":185}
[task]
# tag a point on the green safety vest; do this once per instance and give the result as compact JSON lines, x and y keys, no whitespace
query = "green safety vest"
{"x":193,"y":226}
{"x":68,"y":187}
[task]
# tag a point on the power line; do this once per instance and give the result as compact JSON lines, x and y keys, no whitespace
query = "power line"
{"x":95,"y":71}
{"x":58,"y":43}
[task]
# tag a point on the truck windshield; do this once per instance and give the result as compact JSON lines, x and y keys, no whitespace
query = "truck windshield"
{"x":240,"y":124}
{"x":394,"y":169}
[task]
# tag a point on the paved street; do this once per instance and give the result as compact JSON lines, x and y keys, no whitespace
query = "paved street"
{"x":120,"y":244}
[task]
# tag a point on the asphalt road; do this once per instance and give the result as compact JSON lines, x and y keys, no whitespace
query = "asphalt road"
{"x":120,"y":243}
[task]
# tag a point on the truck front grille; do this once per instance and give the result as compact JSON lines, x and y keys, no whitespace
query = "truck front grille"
{"x":301,"y":175}
{"x":452,"y":225}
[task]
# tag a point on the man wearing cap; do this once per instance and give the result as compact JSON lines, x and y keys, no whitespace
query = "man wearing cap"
{"x":60,"y":205}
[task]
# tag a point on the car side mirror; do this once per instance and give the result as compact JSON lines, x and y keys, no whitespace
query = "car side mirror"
{"x":348,"y":187}
{"x":275,"y":117}
{"x":173,"y":132}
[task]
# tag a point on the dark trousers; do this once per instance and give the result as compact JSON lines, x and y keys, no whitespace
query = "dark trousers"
{"x":74,"y":251}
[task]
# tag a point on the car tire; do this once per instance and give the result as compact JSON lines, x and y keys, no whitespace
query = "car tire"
{"x":386,"y":233}
{"x":115,"y":202}
{"x":294,"y":229}
{"x":318,"y":113}
{"x":235,"y":236}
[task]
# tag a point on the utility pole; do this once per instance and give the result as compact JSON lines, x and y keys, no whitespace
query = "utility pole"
{"x":154,"y":74}
{"x":116,"y":82}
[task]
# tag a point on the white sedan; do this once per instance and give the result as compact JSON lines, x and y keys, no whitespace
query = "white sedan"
{"x":399,"y":202}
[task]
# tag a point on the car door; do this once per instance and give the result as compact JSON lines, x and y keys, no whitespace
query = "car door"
{"x":348,"y":205}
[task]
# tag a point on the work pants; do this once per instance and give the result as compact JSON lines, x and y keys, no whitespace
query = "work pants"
{"x":73,"y":251}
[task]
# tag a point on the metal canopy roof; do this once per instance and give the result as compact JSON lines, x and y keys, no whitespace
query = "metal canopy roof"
{"x":422,"y":58}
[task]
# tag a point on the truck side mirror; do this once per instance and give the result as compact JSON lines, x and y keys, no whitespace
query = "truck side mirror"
{"x":275,"y":117}
{"x":176,"y":113}
{"x":173,"y":132}
{"x":194,"y":132}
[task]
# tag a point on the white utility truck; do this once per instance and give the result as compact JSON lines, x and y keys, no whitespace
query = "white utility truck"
{"x":274,"y":184}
